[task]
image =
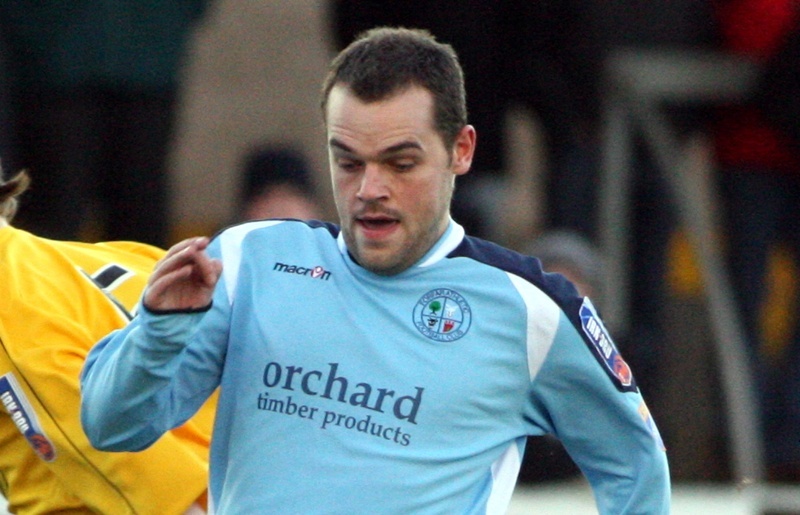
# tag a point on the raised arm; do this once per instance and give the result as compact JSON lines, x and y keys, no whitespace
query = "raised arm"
{"x":143,"y":380}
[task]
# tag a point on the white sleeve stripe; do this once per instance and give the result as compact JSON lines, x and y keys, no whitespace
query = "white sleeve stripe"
{"x":504,"y":479}
{"x":542,"y":323}
{"x":231,"y":248}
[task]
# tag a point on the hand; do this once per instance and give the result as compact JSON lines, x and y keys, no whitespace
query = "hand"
{"x":184,"y":278}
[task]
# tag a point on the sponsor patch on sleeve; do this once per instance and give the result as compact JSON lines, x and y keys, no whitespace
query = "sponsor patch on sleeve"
{"x":604,"y":348}
{"x":21,"y":412}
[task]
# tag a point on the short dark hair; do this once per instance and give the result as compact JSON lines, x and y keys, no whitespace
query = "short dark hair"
{"x":386,"y":60}
{"x":9,"y":191}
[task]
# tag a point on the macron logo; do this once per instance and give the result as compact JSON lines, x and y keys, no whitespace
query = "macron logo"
{"x":316,"y":272}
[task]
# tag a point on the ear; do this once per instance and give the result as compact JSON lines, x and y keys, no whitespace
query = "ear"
{"x":463,"y":150}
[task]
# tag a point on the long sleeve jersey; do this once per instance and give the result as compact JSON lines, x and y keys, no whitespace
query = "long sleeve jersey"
{"x":343,"y":391}
{"x":58,"y":298}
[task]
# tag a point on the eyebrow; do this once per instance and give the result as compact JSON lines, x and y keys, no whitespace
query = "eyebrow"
{"x":335,"y":143}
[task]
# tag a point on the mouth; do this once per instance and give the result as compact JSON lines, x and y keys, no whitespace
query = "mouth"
{"x":377,"y":226}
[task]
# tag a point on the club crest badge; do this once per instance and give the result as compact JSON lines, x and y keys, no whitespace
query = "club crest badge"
{"x":442,"y":315}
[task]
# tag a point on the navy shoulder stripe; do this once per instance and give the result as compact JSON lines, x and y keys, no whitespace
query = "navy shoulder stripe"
{"x":331,"y":227}
{"x":586,"y":321}
{"x":527,"y":267}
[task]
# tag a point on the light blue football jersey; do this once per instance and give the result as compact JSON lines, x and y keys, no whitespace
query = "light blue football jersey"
{"x":343,"y":391}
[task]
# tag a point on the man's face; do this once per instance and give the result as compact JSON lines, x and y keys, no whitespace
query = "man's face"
{"x":392,"y":175}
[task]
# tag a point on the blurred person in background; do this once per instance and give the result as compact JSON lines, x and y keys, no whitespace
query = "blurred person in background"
{"x":277,"y":183}
{"x":757,"y":149}
{"x":93,"y":89}
{"x":58,"y":298}
{"x":572,"y":255}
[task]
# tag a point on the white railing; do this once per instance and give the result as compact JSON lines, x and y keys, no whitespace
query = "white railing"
{"x":640,"y":85}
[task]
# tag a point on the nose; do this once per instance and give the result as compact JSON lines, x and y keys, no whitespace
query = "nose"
{"x":373,"y":183}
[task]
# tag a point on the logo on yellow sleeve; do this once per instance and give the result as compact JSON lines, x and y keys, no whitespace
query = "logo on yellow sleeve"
{"x":24,"y":417}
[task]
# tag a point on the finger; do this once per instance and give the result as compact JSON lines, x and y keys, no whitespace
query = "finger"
{"x":160,"y":287}
{"x":207,"y":271}
{"x":201,"y":242}
{"x":181,"y":246}
{"x":182,"y":254}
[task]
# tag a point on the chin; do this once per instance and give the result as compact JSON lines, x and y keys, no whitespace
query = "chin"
{"x":374,"y":264}
{"x":377,"y":265}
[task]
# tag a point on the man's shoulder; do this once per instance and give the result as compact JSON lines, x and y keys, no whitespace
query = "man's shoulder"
{"x":275,"y":227}
{"x":268,"y":236}
{"x":496,"y":256}
{"x":523,"y":266}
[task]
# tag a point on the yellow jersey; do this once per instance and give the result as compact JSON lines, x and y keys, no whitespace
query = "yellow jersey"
{"x":56,"y":300}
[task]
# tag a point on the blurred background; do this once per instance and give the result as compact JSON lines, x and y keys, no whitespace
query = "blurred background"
{"x":647,"y":147}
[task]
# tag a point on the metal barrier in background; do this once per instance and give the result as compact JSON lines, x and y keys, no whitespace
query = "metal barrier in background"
{"x":640,"y":84}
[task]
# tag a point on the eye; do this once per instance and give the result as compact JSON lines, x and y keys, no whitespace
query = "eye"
{"x":404,"y":165}
{"x":348,"y":165}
